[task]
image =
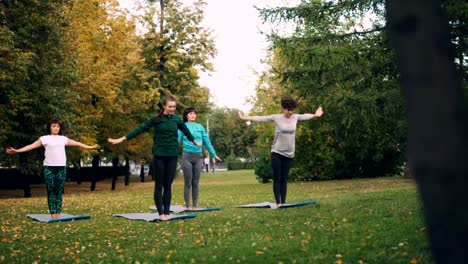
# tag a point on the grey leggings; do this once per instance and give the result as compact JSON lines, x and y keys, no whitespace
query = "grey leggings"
{"x":192,"y":165}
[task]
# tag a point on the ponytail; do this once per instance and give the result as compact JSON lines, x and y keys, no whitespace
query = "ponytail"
{"x":161,"y":110}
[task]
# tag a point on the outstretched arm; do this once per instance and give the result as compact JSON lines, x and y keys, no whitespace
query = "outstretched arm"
{"x":74,"y":143}
{"x":135,"y":132}
{"x":269,"y":118}
{"x":318,"y":113}
{"x":35,"y":145}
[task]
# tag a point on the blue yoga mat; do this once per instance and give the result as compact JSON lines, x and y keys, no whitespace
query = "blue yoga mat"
{"x":180,"y":209}
{"x":274,"y":206}
{"x":153,"y":217}
{"x":63,"y":217}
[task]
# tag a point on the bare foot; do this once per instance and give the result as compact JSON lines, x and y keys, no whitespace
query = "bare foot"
{"x":164,"y":217}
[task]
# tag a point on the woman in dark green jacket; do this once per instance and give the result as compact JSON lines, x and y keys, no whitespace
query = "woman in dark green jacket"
{"x":165,"y":150}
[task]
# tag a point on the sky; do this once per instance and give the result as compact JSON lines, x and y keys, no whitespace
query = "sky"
{"x":240,"y":46}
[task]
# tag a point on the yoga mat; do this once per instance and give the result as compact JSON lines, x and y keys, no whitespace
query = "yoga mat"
{"x":274,"y":206}
{"x":153,"y":217}
{"x":63,"y":217}
{"x":180,"y":209}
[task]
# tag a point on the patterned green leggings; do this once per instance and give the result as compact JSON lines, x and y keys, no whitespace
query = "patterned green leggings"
{"x":55,"y":181}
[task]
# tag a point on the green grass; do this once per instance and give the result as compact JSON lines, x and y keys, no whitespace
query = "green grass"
{"x":354,"y":221}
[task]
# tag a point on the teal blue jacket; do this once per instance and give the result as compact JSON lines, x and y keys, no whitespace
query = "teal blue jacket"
{"x":200,"y":135}
{"x":165,"y":134}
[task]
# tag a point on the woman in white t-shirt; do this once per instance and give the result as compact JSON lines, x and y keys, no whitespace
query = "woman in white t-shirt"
{"x":55,"y":162}
{"x":282,"y":149}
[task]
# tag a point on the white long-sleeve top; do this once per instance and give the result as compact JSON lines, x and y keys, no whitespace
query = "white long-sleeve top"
{"x":284,"y":142}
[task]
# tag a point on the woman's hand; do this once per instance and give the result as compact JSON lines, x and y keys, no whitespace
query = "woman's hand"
{"x":244,"y":117}
{"x":11,"y":151}
{"x":95,"y":146}
{"x":116,"y":141}
{"x":218,"y":158}
{"x":319,"y":112}
{"x":196,"y":143}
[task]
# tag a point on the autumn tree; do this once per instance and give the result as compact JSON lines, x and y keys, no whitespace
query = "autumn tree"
{"x":105,"y":46}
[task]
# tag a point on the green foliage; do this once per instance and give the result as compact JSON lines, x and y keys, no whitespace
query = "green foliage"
{"x":239,"y":165}
{"x":231,"y":157}
{"x":230,"y":136}
{"x":263,"y":169}
{"x":36,"y":75}
{"x":457,"y":12}
{"x":174,"y":47}
{"x":367,"y":221}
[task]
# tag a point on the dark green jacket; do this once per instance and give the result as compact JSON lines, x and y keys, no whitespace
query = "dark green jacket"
{"x":165,"y":129}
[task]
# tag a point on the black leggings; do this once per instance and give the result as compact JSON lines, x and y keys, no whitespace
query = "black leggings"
{"x":164,"y":172}
{"x":281,"y":166}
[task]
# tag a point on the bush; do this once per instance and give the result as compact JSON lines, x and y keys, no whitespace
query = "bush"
{"x":239,"y":165}
{"x":263,"y":169}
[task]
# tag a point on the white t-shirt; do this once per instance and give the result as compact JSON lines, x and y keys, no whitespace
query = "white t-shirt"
{"x":54,"y":150}
{"x":284,"y":142}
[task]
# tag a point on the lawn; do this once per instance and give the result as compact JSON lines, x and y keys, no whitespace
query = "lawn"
{"x":354,"y":221}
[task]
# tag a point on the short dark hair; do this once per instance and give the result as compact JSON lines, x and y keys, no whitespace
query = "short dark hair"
{"x":288,"y":103}
{"x":188,"y":111}
{"x":53,"y":121}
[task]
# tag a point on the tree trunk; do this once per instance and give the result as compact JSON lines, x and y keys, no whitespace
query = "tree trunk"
{"x":150,"y":171}
{"x":95,"y":171}
{"x":78,"y":173}
{"x":161,"y":20}
{"x":26,"y":186}
{"x":142,"y":173}
{"x":127,"y":171}
{"x":437,"y":122}
{"x":23,"y":161}
{"x":115,"y":172}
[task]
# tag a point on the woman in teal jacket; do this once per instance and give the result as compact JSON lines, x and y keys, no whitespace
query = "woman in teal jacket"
{"x":192,"y":156}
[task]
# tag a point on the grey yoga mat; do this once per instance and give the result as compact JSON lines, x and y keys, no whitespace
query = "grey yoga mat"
{"x":153,"y":217}
{"x":274,"y":206}
{"x":63,"y":217}
{"x":180,"y":209}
